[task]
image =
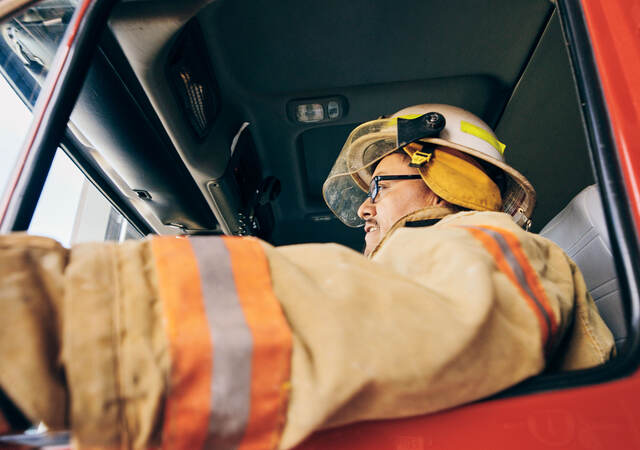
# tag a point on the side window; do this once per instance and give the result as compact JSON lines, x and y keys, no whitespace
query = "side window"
{"x":71,"y":210}
{"x":15,"y":118}
{"x":28,"y":43}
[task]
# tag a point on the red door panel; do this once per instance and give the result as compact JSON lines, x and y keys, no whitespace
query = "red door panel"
{"x":605,"y":416}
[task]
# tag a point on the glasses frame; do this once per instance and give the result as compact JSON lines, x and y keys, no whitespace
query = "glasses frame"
{"x":374,"y":189}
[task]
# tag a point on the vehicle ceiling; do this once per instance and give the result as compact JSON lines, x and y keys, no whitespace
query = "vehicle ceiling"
{"x":504,"y":60}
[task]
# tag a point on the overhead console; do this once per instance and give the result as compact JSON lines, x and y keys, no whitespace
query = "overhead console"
{"x":171,"y":61}
{"x":243,"y":194}
{"x":111,"y":114}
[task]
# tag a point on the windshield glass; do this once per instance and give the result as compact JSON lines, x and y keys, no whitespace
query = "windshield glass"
{"x":28,"y":43}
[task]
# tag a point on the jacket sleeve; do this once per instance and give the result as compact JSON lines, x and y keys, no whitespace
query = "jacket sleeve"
{"x":31,"y":288}
{"x":441,"y":317}
{"x":224,"y":342}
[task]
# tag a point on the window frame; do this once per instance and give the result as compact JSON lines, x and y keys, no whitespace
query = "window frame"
{"x":51,"y":113}
{"x":71,"y":146}
{"x":608,"y":168}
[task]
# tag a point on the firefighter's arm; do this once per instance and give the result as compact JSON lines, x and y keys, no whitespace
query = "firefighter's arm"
{"x":31,"y":288}
{"x":82,"y":339}
{"x":428,"y":326}
{"x":226,"y":341}
{"x":442,"y":317}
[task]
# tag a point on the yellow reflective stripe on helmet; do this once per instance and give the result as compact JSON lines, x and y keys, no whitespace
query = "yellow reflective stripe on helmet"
{"x":408,"y":116}
{"x":483,"y":134}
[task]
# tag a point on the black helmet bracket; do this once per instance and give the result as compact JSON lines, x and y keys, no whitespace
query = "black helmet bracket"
{"x":428,"y":125}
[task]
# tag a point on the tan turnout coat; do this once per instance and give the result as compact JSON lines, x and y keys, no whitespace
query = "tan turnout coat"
{"x":224,"y":342}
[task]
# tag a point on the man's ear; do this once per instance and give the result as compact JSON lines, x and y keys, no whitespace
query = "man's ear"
{"x":439,"y":201}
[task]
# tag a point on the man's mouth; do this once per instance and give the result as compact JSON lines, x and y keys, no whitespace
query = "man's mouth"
{"x":369,"y":227}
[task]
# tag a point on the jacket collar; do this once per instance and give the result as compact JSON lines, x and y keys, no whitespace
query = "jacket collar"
{"x":428,"y":214}
{"x":421,"y":218}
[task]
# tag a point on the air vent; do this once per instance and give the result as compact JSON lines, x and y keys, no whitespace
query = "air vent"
{"x":192,"y":81}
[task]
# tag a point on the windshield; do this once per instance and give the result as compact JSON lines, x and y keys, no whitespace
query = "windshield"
{"x":28,"y":43}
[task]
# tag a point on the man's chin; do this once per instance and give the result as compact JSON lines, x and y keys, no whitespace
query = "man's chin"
{"x":371,"y":239}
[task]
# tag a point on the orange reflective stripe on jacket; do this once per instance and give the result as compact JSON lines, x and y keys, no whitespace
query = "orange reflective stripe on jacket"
{"x":187,"y":405}
{"x":230,"y":344}
{"x":511,"y":260}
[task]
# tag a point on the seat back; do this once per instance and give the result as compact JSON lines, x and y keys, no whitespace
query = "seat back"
{"x":580,"y":230}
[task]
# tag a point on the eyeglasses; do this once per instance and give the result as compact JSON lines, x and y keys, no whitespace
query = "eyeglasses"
{"x":374,"y":189}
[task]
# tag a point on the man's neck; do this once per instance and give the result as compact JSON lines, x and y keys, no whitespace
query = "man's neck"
{"x":425,"y":215}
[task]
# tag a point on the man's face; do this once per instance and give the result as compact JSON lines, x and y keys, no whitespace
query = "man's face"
{"x":396,"y":198}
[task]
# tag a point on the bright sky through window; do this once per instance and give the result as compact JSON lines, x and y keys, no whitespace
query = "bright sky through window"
{"x":56,"y":211}
{"x":59,"y":200}
{"x":14,"y":122}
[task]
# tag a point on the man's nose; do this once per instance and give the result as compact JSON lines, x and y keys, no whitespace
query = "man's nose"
{"x":367,"y":209}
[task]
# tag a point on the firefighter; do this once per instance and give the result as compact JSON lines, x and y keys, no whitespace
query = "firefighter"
{"x":220,"y":342}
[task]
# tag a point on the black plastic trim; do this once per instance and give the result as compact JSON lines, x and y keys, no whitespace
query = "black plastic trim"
{"x":56,"y":115}
{"x":97,"y":177}
{"x":525,"y":66}
{"x":138,"y":145}
{"x":16,"y":419}
{"x":188,"y":50}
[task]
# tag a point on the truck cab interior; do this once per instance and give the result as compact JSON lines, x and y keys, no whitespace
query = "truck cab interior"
{"x":212,"y":117}
{"x":226,"y":117}
{"x":173,"y":84}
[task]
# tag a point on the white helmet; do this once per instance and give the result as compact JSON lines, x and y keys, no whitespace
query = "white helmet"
{"x":434,"y":136}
